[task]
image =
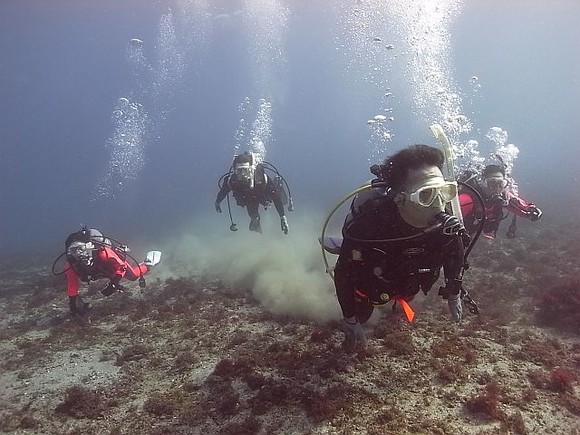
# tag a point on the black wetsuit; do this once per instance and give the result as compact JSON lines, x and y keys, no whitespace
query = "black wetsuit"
{"x":264,"y":192}
{"x":372,"y":273}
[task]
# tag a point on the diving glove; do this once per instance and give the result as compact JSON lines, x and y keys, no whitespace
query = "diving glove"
{"x":284,"y":224}
{"x":111,"y":288}
{"x":218,"y":207}
{"x":455,"y":307}
{"x":535,"y":214}
{"x":452,"y":292}
{"x":451,"y":225}
{"x":354,"y":335}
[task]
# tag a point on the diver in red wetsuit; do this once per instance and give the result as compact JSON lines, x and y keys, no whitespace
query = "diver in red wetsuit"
{"x":91,"y":256}
{"x":499,"y":192}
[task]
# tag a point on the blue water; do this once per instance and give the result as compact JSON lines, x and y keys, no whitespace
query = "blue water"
{"x":64,"y":65}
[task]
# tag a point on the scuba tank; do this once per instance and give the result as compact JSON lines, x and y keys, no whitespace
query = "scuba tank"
{"x":448,"y":165}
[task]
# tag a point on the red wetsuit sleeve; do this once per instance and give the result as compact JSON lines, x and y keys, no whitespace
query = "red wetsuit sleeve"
{"x":520,"y":207}
{"x":117,"y":268}
{"x":134,"y":272}
{"x":110,"y":262}
{"x":72,"y":281}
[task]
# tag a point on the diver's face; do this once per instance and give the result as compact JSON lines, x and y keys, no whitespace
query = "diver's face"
{"x":415,"y":214}
{"x":495,"y":182}
{"x":245,"y":174}
{"x":83,"y":252}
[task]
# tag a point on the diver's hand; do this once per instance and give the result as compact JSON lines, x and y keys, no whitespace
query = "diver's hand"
{"x":284,"y":224}
{"x":354,"y":335}
{"x":451,"y":224}
{"x":452,"y":287}
{"x":455,"y":307}
{"x":218,"y":207}
{"x":498,"y":200}
{"x":535,"y":214}
{"x":452,"y":292}
{"x":111,"y":288}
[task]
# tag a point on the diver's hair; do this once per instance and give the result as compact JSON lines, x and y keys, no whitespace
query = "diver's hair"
{"x":395,"y":168}
{"x":493,"y":169}
{"x":246,"y":157}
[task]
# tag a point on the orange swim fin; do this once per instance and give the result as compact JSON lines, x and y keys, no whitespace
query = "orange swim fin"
{"x":409,"y":313}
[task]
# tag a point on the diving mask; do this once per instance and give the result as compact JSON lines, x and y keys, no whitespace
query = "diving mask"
{"x":496,"y":184}
{"x":425,"y":196}
{"x":83,"y":252}
{"x":245,"y":173}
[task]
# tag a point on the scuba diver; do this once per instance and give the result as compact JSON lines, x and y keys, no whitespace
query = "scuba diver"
{"x":397,"y":236}
{"x":91,"y":256}
{"x":499,"y":192}
{"x":251,"y":186}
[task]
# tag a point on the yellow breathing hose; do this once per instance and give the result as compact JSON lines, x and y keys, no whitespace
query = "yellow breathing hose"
{"x":327,"y":220}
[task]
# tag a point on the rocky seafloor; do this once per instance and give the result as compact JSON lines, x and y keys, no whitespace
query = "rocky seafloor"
{"x":192,"y":355}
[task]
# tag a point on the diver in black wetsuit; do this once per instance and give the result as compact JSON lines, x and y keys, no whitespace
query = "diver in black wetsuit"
{"x":251,"y":187}
{"x":396,"y":239}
